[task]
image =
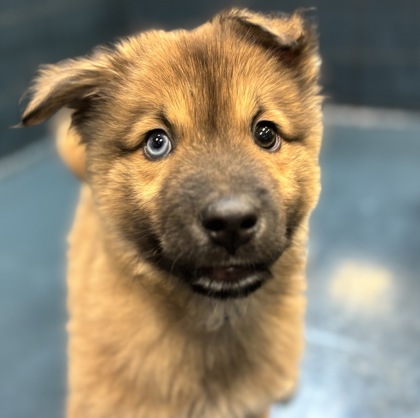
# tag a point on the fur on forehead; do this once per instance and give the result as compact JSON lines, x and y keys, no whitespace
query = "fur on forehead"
{"x":83,"y":82}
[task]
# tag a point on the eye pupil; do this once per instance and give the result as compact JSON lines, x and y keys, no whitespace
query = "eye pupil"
{"x":265,"y":134}
{"x":157,"y":142}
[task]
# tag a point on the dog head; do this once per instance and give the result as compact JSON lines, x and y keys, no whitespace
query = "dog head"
{"x":201,"y":146}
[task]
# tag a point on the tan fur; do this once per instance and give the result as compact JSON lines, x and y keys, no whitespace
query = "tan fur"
{"x":142,"y":345}
{"x":69,"y":147}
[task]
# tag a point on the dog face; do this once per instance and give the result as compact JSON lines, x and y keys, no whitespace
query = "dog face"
{"x":201,"y":146}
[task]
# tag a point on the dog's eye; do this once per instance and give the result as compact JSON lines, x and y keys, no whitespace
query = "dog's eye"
{"x":266,"y":136}
{"x":158,"y":145}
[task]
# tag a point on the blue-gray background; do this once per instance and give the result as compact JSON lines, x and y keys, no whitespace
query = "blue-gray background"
{"x":363,"y":327}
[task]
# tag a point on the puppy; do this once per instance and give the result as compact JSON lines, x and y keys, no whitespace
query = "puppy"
{"x":198,"y":152}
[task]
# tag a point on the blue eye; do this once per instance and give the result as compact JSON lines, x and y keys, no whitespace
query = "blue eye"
{"x":158,"y":145}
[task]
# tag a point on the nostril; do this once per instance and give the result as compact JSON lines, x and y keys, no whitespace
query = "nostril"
{"x":215,"y":224}
{"x":248,"y":222}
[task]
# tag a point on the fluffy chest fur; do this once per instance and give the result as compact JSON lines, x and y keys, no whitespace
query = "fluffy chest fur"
{"x":148,"y":356}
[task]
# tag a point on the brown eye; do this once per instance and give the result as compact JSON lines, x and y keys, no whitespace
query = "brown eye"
{"x":266,"y":136}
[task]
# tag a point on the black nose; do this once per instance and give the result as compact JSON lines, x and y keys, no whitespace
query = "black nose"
{"x":230,"y":222}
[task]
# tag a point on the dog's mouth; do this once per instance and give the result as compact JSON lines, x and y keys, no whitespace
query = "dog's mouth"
{"x":231,"y":281}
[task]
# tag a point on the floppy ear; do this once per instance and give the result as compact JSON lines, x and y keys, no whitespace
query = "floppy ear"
{"x":291,"y":38}
{"x":72,"y":83}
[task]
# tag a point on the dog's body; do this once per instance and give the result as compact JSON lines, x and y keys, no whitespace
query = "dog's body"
{"x":187,"y":256}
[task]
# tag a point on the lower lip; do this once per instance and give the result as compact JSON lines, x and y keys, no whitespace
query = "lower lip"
{"x":228,"y":282}
{"x":227,"y":274}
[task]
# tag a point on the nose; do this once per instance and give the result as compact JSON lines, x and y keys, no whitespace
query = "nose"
{"x":230,"y":221}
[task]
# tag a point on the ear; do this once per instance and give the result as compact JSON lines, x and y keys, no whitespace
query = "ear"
{"x":291,"y":38}
{"x":72,"y":83}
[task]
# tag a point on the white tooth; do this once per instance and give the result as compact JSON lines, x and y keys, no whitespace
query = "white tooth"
{"x":203,"y":281}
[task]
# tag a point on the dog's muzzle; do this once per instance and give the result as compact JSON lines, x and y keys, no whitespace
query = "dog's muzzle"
{"x":220,"y":237}
{"x":230,"y":222}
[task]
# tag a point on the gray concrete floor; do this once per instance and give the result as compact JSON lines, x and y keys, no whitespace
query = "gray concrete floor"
{"x":363,"y":321}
